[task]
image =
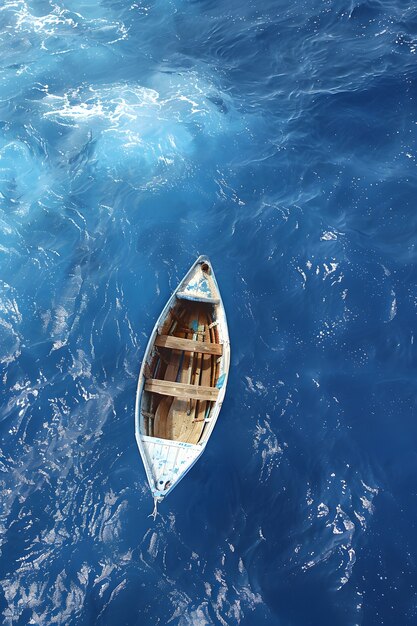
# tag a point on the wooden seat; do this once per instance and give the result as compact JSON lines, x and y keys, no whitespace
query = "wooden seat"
{"x":182,"y":295}
{"x":189,"y":345}
{"x":181,"y":390}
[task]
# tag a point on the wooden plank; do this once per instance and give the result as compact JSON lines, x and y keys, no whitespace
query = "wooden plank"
{"x":161,"y":417}
{"x":161,"y":414}
{"x":178,"y":410}
{"x":198,"y":423}
{"x":195,"y":426}
{"x":189,"y":345}
{"x":197,"y":370}
{"x":182,"y":295}
{"x":181,"y":390}
{"x":188,"y":424}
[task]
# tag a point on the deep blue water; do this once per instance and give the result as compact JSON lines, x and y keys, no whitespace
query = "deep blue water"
{"x":279,"y":138}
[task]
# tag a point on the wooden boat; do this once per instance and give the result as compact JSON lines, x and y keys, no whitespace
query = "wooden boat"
{"x":182,"y":381}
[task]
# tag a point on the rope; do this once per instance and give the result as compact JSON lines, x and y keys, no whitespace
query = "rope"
{"x":213,"y":324}
{"x":155,"y":509}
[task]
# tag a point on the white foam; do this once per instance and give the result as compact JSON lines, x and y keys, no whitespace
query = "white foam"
{"x":393,"y":308}
{"x":328,"y":235}
{"x":323,"y":510}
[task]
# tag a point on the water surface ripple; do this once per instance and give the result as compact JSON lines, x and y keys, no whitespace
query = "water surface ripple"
{"x":279,"y":138}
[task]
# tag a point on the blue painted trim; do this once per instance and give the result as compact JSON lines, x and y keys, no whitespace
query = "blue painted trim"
{"x":220,"y":382}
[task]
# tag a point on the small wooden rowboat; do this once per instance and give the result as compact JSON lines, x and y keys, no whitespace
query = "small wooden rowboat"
{"x":182,"y":380}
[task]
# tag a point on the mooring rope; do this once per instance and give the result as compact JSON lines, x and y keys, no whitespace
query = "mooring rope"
{"x":155,"y":509}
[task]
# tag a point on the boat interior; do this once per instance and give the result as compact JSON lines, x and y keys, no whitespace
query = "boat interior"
{"x":181,"y":374}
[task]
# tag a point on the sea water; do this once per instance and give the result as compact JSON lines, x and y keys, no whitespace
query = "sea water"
{"x":278,"y":138}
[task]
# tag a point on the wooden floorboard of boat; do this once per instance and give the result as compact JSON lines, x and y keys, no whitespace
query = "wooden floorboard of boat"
{"x":178,"y":409}
{"x":197,"y":424}
{"x":161,"y":413}
{"x":189,"y":378}
{"x":189,"y":428}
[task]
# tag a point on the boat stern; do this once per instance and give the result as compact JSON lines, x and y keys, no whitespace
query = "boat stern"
{"x":166,"y":463}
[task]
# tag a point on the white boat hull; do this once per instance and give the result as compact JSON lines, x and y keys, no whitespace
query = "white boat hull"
{"x":166,"y":460}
